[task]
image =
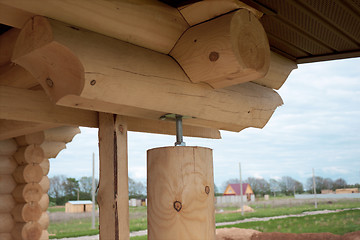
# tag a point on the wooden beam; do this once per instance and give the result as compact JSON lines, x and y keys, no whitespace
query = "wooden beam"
{"x":12,"y":128}
{"x":7,"y":43}
{"x":108,"y":75}
{"x":113,"y":193}
{"x":13,"y":17}
{"x":225,"y":51}
{"x":204,"y":10}
{"x":149,"y":24}
{"x":27,"y":105}
{"x":12,"y":75}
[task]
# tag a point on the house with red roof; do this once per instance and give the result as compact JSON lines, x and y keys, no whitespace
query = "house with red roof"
{"x":234,"y":189}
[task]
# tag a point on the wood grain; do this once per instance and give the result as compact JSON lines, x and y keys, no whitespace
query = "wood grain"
{"x":8,"y":147}
{"x":7,"y":164}
{"x":6,"y":223}
{"x":113,"y":189}
{"x":7,"y":183}
{"x":30,"y":192}
{"x":29,"y":154}
{"x":26,"y":212}
{"x":183,"y":174}
{"x":27,"y":231}
{"x":7,"y":202}
{"x":29,"y":173}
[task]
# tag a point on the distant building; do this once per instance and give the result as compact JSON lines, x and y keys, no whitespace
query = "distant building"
{"x":78,"y":206}
{"x":234,"y":189}
{"x":346,"y":190}
{"x":326,"y":191}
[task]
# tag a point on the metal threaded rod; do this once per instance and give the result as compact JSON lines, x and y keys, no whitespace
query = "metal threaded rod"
{"x":179,"y":131}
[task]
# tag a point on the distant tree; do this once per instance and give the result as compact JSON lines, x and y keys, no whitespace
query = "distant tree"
{"x":259,"y":185}
{"x":319,"y":183}
{"x":136,"y":189}
{"x":299,"y":188}
{"x":339,"y":183}
{"x":56,"y":186}
{"x":71,"y":187}
{"x":287,"y":185}
{"x":274,"y":186}
{"x":328,"y":183}
{"x":85,"y":184}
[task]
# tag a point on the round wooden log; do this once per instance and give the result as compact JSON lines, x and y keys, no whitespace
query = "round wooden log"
{"x":7,"y":164}
{"x":29,"y":173}
{"x":27,"y":231}
{"x":45,"y":184}
{"x":44,"y":235}
{"x":5,"y":236}
{"x":26,"y":212}
{"x":180,"y":193}
{"x":6,"y":223}
{"x":44,"y":202}
{"x":8,"y":147}
{"x":29,"y":154}
{"x":60,"y":134}
{"x":52,"y":149}
{"x":7,"y":203}
{"x":44,"y":220}
{"x":30,"y":192}
{"x":226,"y":51}
{"x":45,"y":166}
{"x":7,"y":184}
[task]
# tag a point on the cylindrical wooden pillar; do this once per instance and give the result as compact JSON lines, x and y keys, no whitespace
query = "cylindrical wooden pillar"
{"x":180,"y":188}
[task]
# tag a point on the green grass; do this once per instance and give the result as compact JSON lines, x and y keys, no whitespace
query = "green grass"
{"x":267,"y":211}
{"x":336,"y":223}
{"x":138,"y":220}
{"x":56,"y":209}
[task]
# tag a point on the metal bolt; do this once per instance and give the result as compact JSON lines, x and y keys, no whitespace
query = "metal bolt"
{"x":177,"y":206}
{"x":214,"y":56}
{"x":207,"y":189}
{"x":93,"y":82}
{"x":49,"y":82}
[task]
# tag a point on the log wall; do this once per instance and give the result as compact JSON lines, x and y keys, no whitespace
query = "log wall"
{"x":24,"y":165}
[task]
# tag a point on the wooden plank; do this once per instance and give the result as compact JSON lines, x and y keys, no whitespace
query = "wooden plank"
{"x":225,"y":51}
{"x":202,"y":11}
{"x":180,"y":192}
{"x":27,"y":105}
{"x":12,"y":128}
{"x":149,"y":24}
{"x":7,"y":42}
{"x":112,"y":76}
{"x":113,"y":189}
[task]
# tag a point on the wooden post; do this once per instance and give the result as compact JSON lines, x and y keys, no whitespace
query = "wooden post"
{"x":113,"y":193}
{"x":180,"y":188}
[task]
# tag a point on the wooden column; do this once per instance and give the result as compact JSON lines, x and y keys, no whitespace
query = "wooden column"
{"x":113,"y":196}
{"x":180,"y":190}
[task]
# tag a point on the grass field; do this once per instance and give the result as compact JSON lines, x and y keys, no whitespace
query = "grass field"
{"x":138,"y":220}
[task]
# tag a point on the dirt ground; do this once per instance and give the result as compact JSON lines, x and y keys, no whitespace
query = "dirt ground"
{"x":249,"y":234}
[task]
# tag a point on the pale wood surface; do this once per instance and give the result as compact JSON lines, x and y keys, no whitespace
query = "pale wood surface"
{"x":52,"y":149}
{"x":59,"y":134}
{"x":180,"y":174}
{"x":279,"y":70}
{"x":7,"y":183}
{"x":142,"y":72}
{"x":6,"y":223}
{"x":45,"y":184}
{"x":27,"y":231}
{"x":13,"y":75}
{"x":29,"y":154}
{"x":26,"y":212}
{"x":29,"y":173}
{"x":113,"y":195}
{"x":8,"y":147}
{"x":45,"y":166}
{"x":44,"y":235}
{"x":150,"y":24}
{"x":13,"y":16}
{"x":7,"y":42}
{"x":7,"y":202}
{"x":44,"y":202}
{"x":30,"y":192}
{"x":204,"y":10}
{"x":28,"y":105}
{"x":225,"y":51}
{"x":6,"y":236}
{"x":7,"y":164}
{"x":44,"y":220}
{"x":12,"y":129}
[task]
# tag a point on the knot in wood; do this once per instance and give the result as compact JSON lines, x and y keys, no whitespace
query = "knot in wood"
{"x":92,"y":82}
{"x":49,"y":82}
{"x":214,"y":56}
{"x":177,"y":206}
{"x":121,"y":128}
{"x":207,"y":190}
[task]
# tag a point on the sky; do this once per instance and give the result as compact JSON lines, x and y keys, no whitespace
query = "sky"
{"x":317,"y":127}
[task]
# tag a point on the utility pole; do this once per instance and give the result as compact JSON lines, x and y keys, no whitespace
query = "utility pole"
{"x":314,"y":187}
{"x":93,"y":193}
{"x":241,"y":192}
